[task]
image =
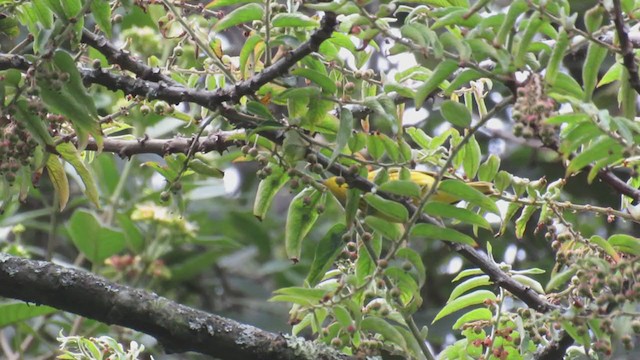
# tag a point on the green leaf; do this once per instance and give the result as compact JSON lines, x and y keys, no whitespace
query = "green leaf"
{"x":391,"y":210}
{"x":375,"y":146}
{"x":293,"y":20}
{"x":59,"y":180}
{"x":248,"y":48}
{"x":342,"y":316}
{"x":584,"y":339}
{"x":72,"y":100}
{"x":521,"y":222}
{"x":72,"y":8}
{"x":344,"y":133}
{"x":606,"y":246}
{"x":132,"y":233}
{"x":469,"y":284}
{"x":391,"y":147}
{"x":566,"y":85}
{"x":441,"y":233}
{"x":404,"y":282}
{"x":474,"y":315}
{"x":365,"y":266}
{"x":529,"y":282}
{"x":460,"y":80}
{"x":570,"y":118}
{"x":215,"y":4}
{"x":33,"y":123}
{"x":416,"y":260}
{"x":625,"y":243}
{"x":9,"y":26}
{"x":596,"y":151}
{"x":392,"y":231}
{"x":419,"y":137}
{"x":441,"y":209}
{"x":455,"y":113}
{"x":205,"y":169}
{"x":13,"y":313}
{"x":322,"y":80}
{"x":559,"y":279}
{"x":475,"y":298}
{"x":593,"y":18}
{"x":101,"y":11}
{"x":301,"y":217}
{"x":401,"y":187}
{"x":439,"y":75}
{"x":590,"y":70}
{"x":463,"y":191}
{"x":267,"y":190}
{"x":468,"y":272}
{"x":56,"y":6}
{"x":459,"y":16}
{"x":70,"y":154}
{"x":243,"y":14}
{"x":326,"y":252}
{"x":612,"y":74}
{"x":557,"y":55}
{"x":382,"y":327}
{"x":299,"y":295}
{"x":257,"y":108}
{"x":352,"y":204}
{"x":489,"y":169}
{"x":523,"y":47}
{"x":96,"y":241}
{"x":472,"y":154}
{"x":516,"y":9}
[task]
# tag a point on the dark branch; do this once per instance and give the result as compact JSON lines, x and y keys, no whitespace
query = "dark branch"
{"x":626,"y":46}
{"x":168,"y":90}
{"x":619,"y":185}
{"x":177,"y":327}
{"x":556,"y":349}
{"x":123,"y":59}
{"x":179,"y":145}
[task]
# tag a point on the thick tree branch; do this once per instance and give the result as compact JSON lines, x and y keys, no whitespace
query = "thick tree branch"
{"x":177,"y":327}
{"x":171,"y":92}
{"x":626,"y":46}
{"x":123,"y":59}
{"x":556,"y":349}
{"x":219,"y":142}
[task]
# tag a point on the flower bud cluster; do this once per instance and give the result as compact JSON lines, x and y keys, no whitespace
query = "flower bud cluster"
{"x":16,"y":147}
{"x":531,"y":109}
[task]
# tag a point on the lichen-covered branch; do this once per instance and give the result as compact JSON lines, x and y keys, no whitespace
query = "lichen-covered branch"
{"x":177,"y":327}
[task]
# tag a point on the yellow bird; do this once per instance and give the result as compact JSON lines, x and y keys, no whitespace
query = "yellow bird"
{"x":424,"y":179}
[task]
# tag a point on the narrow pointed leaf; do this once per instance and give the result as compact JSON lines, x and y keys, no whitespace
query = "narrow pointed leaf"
{"x":59,"y":180}
{"x":301,"y":217}
{"x":390,"y":209}
{"x":431,"y":231}
{"x":436,"y":208}
{"x":267,"y":190}
{"x":327,"y":250}
{"x":71,"y":155}
{"x":465,"y":192}
{"x":382,"y":327}
{"x":474,"y":298}
{"x":390,"y":230}
{"x":455,"y":113}
{"x":439,"y":75}
{"x":243,"y":14}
